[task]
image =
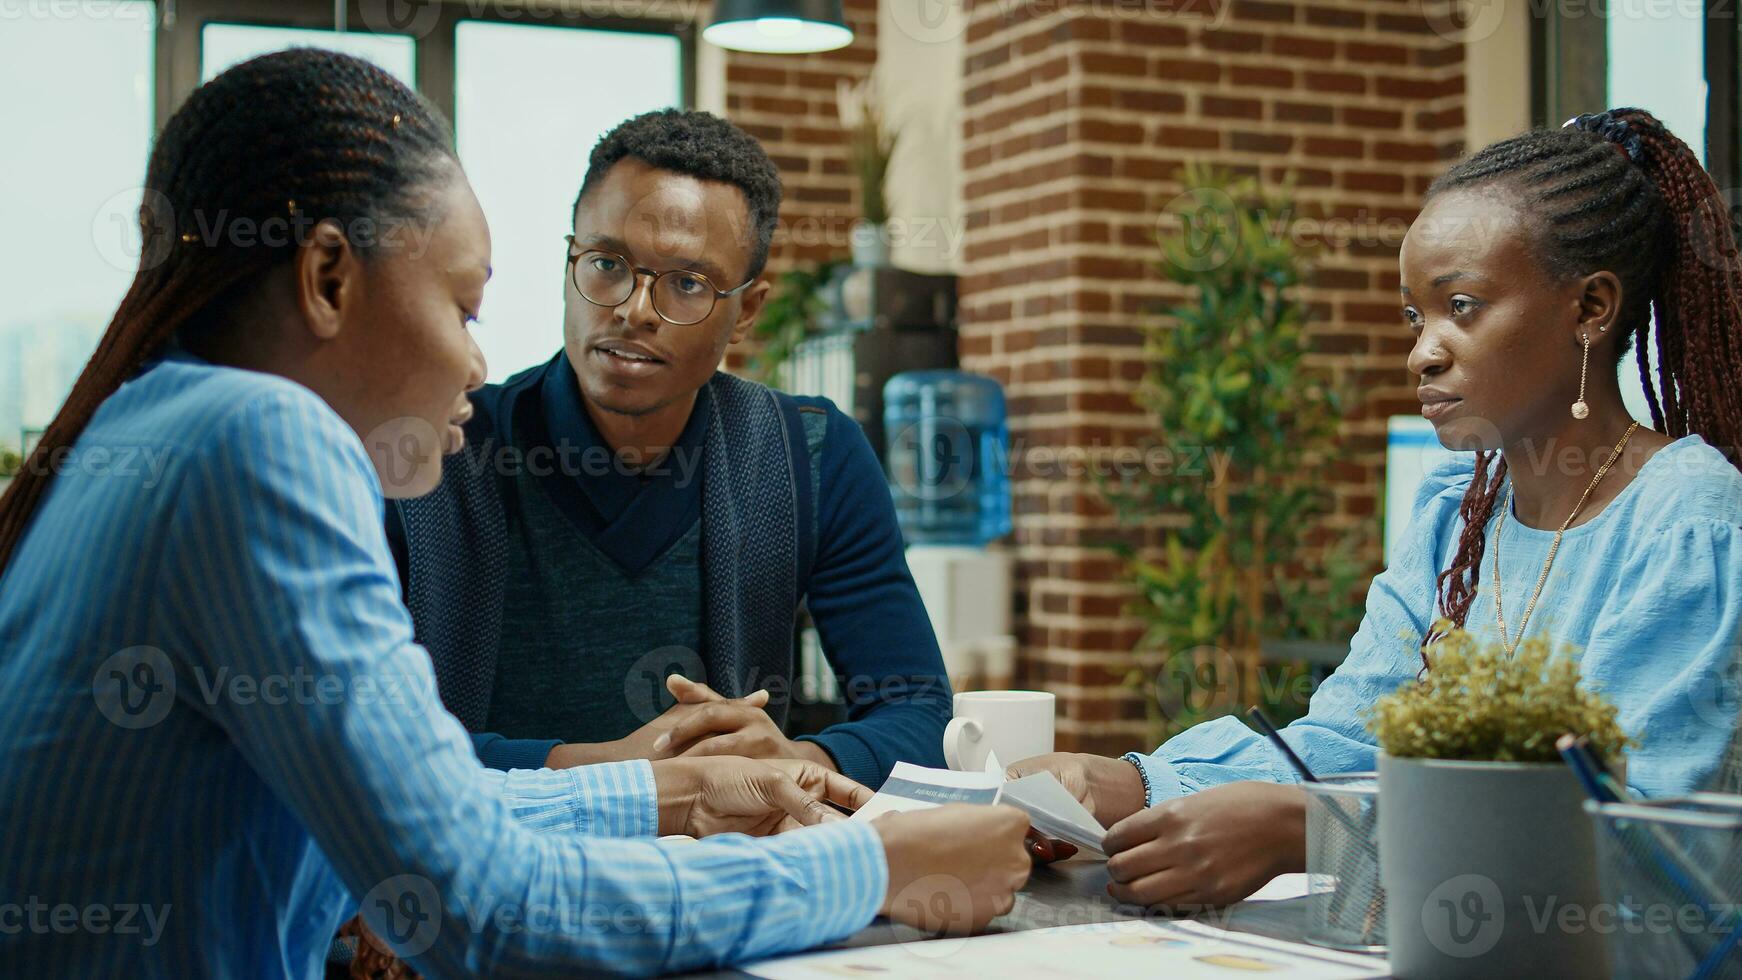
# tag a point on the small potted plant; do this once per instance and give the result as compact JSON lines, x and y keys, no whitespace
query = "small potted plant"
{"x":10,"y":463}
{"x":870,"y":144}
{"x":1483,"y":845}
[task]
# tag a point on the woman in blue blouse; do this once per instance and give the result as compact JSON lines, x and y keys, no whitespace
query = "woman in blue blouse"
{"x":1533,"y":266}
{"x":220,"y":741}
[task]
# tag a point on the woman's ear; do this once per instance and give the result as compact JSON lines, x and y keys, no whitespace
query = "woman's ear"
{"x":1599,"y":306}
{"x":327,"y":273}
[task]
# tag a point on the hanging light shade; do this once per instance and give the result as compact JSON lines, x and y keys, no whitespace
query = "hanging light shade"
{"x":778,"y":26}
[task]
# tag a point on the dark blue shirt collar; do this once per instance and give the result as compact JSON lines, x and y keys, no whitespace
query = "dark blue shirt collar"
{"x":633,"y":517}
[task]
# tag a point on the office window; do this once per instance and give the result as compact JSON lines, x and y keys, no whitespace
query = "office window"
{"x":70,"y":201}
{"x":1655,"y":56}
{"x":1655,"y":63}
{"x":224,"y":45}
{"x":529,"y":103}
{"x":530,"y":97}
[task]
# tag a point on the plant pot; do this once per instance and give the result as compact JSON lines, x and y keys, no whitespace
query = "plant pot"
{"x":1489,"y":870}
{"x":870,"y":244}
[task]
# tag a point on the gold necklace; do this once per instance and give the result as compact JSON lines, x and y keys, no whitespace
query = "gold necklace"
{"x":1511,"y":645}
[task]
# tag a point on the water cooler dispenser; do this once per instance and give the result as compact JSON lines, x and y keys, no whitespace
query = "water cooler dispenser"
{"x":947,"y":460}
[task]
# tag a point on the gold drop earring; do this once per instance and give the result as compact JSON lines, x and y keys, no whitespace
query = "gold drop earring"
{"x":1580,"y":409}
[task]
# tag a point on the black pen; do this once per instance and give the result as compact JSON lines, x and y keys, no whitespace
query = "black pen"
{"x":1360,"y":833}
{"x":1259,"y":719}
{"x":1305,"y":774}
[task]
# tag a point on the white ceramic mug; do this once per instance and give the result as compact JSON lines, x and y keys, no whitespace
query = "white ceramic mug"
{"x":1014,"y":724}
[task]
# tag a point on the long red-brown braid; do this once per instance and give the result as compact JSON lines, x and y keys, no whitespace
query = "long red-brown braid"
{"x":311,"y":127}
{"x":1617,"y":191}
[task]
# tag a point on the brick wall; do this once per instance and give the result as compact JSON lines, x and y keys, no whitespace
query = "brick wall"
{"x":1077,"y":115}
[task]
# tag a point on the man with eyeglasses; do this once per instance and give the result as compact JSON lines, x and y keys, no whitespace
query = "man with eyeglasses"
{"x":613,"y":568}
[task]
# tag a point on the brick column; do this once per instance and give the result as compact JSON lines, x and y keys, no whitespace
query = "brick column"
{"x":1077,"y":116}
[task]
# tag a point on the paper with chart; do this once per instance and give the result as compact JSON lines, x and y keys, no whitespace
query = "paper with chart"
{"x":1131,"y":948}
{"x":1051,"y":808}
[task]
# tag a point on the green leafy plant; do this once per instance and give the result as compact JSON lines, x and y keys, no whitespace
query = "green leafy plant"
{"x":870,"y":145}
{"x":1248,"y":554}
{"x":789,"y":316}
{"x":1477,"y":703}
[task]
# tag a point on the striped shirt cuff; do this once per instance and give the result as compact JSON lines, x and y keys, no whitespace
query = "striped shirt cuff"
{"x":614,"y":799}
{"x":1160,"y":778}
{"x":621,"y":799}
{"x":843,"y":860}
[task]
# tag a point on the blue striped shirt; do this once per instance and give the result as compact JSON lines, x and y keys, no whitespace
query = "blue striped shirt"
{"x":220,"y":740}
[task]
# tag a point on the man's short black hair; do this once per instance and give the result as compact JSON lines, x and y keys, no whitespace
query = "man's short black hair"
{"x":701,"y":145}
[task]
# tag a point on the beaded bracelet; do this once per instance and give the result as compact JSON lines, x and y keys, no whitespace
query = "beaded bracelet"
{"x":1142,"y":774}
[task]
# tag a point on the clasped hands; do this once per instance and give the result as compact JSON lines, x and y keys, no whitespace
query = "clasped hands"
{"x":703,"y":722}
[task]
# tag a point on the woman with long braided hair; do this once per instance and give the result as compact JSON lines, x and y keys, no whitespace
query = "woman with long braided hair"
{"x":1638,"y":206}
{"x":220,"y":739}
{"x":1533,"y":267}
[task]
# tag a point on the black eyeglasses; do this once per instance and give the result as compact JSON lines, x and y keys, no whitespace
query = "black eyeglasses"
{"x":681,"y":297}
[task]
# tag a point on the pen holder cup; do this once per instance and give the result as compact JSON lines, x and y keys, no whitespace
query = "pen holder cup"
{"x":1345,"y":901}
{"x":1670,"y":871}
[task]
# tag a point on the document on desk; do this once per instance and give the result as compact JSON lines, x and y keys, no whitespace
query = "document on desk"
{"x":911,"y":787}
{"x":1051,"y":808}
{"x":1130,"y":948}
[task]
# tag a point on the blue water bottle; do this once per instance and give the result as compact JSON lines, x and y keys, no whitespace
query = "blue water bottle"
{"x":948,"y":456}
